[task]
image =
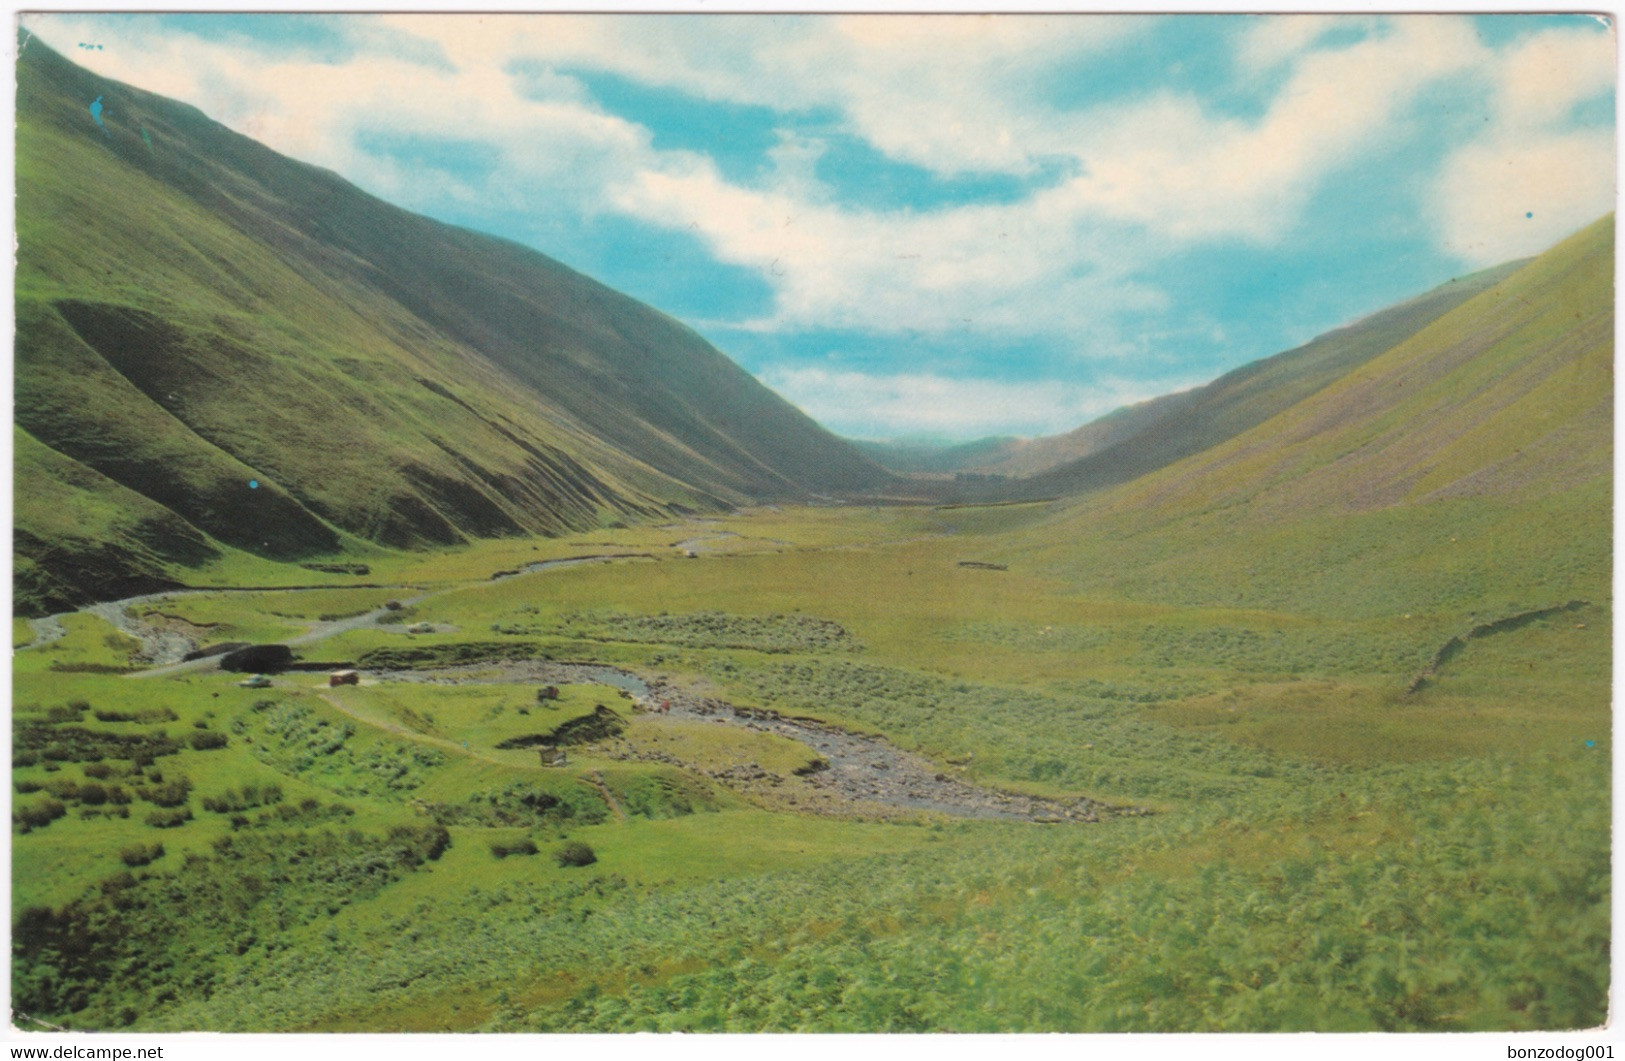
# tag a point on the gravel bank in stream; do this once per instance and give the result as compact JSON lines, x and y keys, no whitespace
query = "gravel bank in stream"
{"x":863,"y":774}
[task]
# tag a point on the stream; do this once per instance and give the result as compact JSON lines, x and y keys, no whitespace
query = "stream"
{"x":861,"y":773}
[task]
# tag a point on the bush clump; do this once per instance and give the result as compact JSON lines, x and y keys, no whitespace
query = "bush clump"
{"x":171,"y":793}
{"x":205,"y":739}
{"x":574,"y":853}
{"x":38,"y":815}
{"x":504,"y":848}
{"x":420,"y":657}
{"x":162,"y":714}
{"x":33,"y":741}
{"x":233,"y":801}
{"x":169,"y":819}
{"x":420,"y":843}
{"x":141,"y":854}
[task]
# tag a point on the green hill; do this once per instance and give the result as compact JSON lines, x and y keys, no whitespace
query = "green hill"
{"x":256,"y":355}
{"x":1466,"y":469}
{"x":924,"y":457}
{"x":1040,"y":455}
{"x":1142,"y":438}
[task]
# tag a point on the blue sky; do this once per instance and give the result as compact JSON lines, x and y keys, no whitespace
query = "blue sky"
{"x":941,"y":225}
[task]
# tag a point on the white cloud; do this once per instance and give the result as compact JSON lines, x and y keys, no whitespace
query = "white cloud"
{"x":952,"y":93}
{"x":1174,"y":167}
{"x":1154,"y":176}
{"x":1514,"y":196}
{"x":1551,"y":72}
{"x":1023,"y":269}
{"x":872,"y":406}
{"x":1270,"y":42}
{"x":1159,"y":174}
{"x":1532,"y":177}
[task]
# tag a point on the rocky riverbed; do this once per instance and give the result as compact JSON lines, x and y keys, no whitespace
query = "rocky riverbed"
{"x":861,"y":774}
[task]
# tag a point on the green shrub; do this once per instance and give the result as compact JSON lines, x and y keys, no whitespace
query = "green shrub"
{"x":169,"y":819}
{"x":206,"y":739}
{"x":75,"y":744}
{"x":72,"y":712}
{"x":504,"y":848}
{"x":420,"y":843}
{"x":168,"y":793}
{"x":141,"y":854}
{"x":234,"y":800}
{"x":38,"y":815}
{"x":575,"y":853}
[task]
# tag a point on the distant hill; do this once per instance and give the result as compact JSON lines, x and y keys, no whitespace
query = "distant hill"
{"x":1469,"y":466}
{"x":915,"y":457}
{"x":1035,"y":456}
{"x":220,"y":348}
{"x":1142,"y":438}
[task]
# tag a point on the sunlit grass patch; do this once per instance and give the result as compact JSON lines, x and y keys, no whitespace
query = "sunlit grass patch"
{"x":229,"y":616}
{"x":90,"y":645}
{"x":478,"y":717}
{"x":707,"y":745}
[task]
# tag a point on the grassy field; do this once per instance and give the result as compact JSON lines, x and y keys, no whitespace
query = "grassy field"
{"x":1326,"y":850}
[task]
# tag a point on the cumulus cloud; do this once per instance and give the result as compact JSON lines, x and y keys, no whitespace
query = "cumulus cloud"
{"x":1155,"y":175}
{"x":1025,"y":268}
{"x":1150,"y":175}
{"x":1172,"y":165}
{"x":864,"y":405}
{"x":1270,"y":42}
{"x":1535,"y":174}
{"x":1510,"y":196}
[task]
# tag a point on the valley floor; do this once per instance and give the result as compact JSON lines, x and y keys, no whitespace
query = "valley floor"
{"x":825,"y":769}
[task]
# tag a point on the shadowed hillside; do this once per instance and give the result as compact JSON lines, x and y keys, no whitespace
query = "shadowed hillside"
{"x":282,"y":364}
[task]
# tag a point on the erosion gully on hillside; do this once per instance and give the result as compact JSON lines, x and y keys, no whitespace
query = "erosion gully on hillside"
{"x":856,"y":774}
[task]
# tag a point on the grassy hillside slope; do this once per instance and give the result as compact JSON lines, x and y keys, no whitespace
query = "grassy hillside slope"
{"x":1142,"y":438}
{"x":196,"y":313}
{"x":1467,"y":468}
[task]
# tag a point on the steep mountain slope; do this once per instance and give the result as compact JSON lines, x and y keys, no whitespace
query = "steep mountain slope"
{"x":1040,"y":455}
{"x":286,"y":364}
{"x":1141,"y":438}
{"x":1467,"y":468}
